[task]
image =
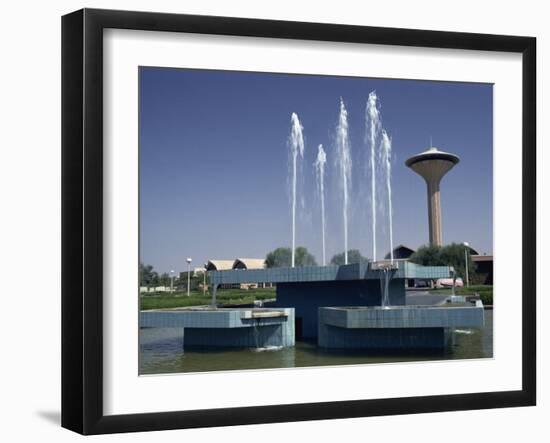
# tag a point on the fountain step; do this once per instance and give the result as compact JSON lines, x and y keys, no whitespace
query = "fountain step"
{"x":255,"y":327}
{"x":213,"y":317}
{"x":440,"y":316}
{"x":395,"y":327}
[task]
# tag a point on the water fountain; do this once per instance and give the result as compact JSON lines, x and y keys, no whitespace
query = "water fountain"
{"x":385,"y":148}
{"x":343,"y":159}
{"x":320,"y":173}
{"x":372,"y":124}
{"x":296,"y":142}
{"x":385,"y":277}
{"x":380,"y":174}
{"x":386,"y":270}
{"x":360,"y":305}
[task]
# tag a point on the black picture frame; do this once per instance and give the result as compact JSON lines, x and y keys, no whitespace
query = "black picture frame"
{"x":82,"y":218}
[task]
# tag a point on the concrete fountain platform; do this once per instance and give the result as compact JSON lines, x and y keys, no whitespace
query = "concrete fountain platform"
{"x":309,"y":288}
{"x":396,"y":327}
{"x":226,"y":327}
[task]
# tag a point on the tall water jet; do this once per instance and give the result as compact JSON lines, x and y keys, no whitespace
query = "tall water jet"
{"x":343,"y":150}
{"x":296,"y":143}
{"x":320,"y":172}
{"x":372,"y":123}
{"x":385,"y":148}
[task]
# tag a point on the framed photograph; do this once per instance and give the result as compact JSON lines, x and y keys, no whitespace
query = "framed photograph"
{"x":269,"y":221}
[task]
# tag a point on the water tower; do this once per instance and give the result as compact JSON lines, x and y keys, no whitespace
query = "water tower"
{"x":432,"y":165}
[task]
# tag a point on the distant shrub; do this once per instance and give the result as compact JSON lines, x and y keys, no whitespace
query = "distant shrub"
{"x":449,"y":255}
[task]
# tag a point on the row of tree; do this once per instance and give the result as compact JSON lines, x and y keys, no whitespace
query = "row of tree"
{"x":278,"y":258}
{"x":150,"y":278}
{"x":453,"y":254}
{"x":282,"y":257}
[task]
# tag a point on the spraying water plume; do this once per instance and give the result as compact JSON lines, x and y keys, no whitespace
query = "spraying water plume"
{"x":320,"y":173}
{"x":296,"y":143}
{"x":385,"y":148}
{"x":343,"y":152}
{"x":372,"y":123}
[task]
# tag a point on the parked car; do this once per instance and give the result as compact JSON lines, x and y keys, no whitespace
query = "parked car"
{"x":448,"y":283}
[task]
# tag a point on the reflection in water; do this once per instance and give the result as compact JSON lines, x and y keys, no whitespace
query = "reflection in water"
{"x":161,"y":352}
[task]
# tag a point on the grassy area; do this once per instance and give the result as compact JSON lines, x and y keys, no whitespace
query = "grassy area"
{"x":223,"y":296}
{"x":485,"y":292}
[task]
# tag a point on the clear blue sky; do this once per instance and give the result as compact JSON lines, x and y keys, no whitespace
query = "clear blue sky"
{"x":214,"y":162}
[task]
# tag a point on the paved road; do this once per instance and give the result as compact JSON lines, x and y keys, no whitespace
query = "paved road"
{"x":424,"y":298}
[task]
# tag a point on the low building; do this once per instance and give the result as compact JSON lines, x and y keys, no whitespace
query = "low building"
{"x":198,"y":271}
{"x":153,"y":289}
{"x":219,"y":265}
{"x":484,"y":269}
{"x":251,"y":263}
{"x":239,"y":263}
{"x":400,"y":252}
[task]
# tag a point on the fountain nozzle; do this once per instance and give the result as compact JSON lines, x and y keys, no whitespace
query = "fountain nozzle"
{"x":383,"y":265}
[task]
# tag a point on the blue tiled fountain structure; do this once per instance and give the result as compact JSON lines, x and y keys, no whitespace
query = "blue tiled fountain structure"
{"x":338,"y":306}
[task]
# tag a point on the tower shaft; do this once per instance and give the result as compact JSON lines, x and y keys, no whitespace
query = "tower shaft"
{"x":434,"y":213}
{"x":432,"y":165}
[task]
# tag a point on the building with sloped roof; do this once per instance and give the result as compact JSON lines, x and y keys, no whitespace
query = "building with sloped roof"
{"x":238,"y":263}
{"x":249,"y":263}
{"x":219,"y":265}
{"x":400,"y":252}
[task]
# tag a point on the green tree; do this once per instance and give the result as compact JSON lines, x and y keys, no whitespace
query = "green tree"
{"x":147,"y":275}
{"x":155,"y":279}
{"x":164,"y":279}
{"x":303,"y":257}
{"x":282,"y":257}
{"x":354,"y":256}
{"x":453,"y":254}
{"x":427,"y":255}
{"x":278,"y":258}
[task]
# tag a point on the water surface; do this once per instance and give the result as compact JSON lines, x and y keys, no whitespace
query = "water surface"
{"x":161,"y":352}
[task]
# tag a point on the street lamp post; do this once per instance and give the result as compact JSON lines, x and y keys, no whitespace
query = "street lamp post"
{"x":453,"y":274}
{"x":204,"y":281}
{"x":189,"y":276}
{"x":172,"y":281}
{"x":466,"y":246}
